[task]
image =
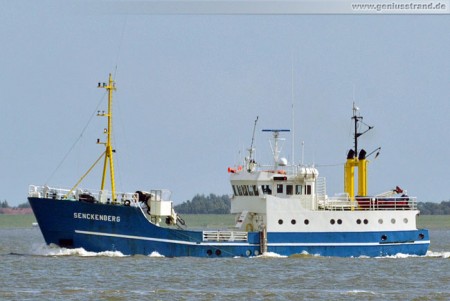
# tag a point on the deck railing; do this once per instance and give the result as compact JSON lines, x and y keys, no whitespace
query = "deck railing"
{"x":368,"y":203}
{"x":91,"y":196}
{"x":220,"y":235}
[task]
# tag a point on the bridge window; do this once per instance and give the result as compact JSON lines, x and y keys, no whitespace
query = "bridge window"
{"x":298,"y":189}
{"x":279,"y":188}
{"x":244,"y":188}
{"x":235,"y":190}
{"x":308,"y":189}
{"x":266,"y":189}
{"x":255,"y":190}
{"x":289,"y":189}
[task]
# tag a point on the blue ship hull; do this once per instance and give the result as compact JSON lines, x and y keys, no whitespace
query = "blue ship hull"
{"x":105,"y":227}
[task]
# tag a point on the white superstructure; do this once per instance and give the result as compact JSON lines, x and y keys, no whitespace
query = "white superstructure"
{"x":284,"y":198}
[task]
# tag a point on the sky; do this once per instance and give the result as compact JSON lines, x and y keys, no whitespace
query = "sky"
{"x":189,"y":88}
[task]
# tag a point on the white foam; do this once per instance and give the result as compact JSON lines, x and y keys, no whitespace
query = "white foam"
{"x":155,"y":254}
{"x":270,"y":255}
{"x":430,"y":254}
{"x":53,"y":250}
{"x":438,"y":254}
{"x":399,"y":255}
{"x":360,"y":292}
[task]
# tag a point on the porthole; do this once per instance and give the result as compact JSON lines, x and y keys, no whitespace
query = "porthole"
{"x":380,"y":221}
{"x":421,"y":236}
{"x":218,"y":252}
{"x":339,"y":221}
{"x":405,"y":220}
{"x":366,"y":221}
{"x":393,"y":220}
{"x":358,"y":221}
{"x":280,"y":221}
{"x":383,"y":237}
{"x":248,"y":253}
{"x":256,"y":252}
{"x":332,"y":221}
{"x":306,"y":222}
{"x":293,"y":221}
{"x":209,"y":252}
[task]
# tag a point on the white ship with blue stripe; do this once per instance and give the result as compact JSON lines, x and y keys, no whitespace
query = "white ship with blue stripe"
{"x":279,"y":208}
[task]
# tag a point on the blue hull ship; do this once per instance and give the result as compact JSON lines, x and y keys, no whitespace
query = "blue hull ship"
{"x":279,"y":208}
{"x":100,"y":227}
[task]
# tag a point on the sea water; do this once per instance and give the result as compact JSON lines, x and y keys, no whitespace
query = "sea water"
{"x":30,"y":270}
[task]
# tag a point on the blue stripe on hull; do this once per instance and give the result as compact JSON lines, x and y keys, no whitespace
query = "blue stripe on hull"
{"x":62,"y":223}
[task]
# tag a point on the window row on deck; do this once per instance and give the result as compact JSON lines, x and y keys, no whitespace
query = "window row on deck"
{"x":288,"y":189}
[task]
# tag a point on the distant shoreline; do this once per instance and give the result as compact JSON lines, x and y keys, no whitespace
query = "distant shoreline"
{"x":16,"y":211}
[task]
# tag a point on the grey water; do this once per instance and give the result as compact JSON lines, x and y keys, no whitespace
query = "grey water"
{"x":30,"y":270}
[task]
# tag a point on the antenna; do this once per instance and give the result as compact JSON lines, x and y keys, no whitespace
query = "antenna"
{"x":293,"y":112}
{"x":303,"y":151}
{"x":358,"y":119}
{"x":253,"y":139}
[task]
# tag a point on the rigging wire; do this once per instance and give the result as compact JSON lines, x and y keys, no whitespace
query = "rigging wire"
{"x":116,"y":157}
{"x":119,"y":50}
{"x":330,"y":165}
{"x":77,"y":140}
{"x":94,"y":113}
{"x":119,"y":47}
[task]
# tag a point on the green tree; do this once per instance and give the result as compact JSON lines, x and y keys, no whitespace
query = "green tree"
{"x":24,"y":205}
{"x":201,"y":204}
{"x":429,"y":208}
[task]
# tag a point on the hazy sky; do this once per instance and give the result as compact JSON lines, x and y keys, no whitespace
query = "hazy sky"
{"x":189,"y":88}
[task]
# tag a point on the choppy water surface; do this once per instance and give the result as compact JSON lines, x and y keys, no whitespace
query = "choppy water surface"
{"x":32,"y":271}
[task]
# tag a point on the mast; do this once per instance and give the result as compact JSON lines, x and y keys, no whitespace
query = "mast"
{"x":276,"y":150}
{"x":358,"y":160}
{"x":108,"y":153}
{"x":251,"y":149}
{"x":358,"y":119}
{"x":110,"y":87}
{"x":250,"y":162}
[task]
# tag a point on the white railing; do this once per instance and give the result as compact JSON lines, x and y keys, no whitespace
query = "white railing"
{"x":126,"y":198}
{"x":368,"y":203}
{"x":224,"y":236}
{"x":321,"y":187}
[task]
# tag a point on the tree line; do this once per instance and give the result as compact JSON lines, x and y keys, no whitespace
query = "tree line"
{"x":213,"y":204}
{"x":210,"y":204}
{"x":4,"y":204}
{"x":220,"y":204}
{"x":429,"y":208}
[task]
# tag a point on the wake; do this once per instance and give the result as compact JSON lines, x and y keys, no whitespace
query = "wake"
{"x":53,"y":250}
